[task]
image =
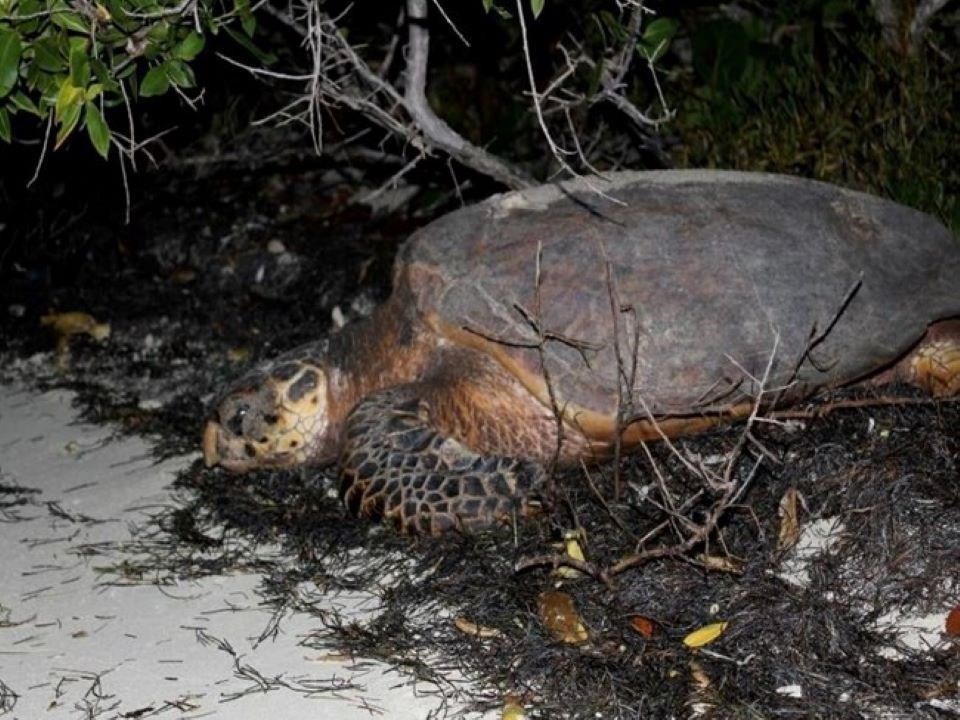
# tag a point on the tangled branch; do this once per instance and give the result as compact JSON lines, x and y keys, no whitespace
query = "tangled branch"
{"x":341,"y":74}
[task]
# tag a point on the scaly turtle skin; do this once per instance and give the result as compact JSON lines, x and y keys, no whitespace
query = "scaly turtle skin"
{"x":531,"y":327}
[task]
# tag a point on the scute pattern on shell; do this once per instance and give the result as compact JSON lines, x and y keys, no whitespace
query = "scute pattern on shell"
{"x":705,"y":270}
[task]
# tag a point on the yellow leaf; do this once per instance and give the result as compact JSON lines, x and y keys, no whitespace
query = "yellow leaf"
{"x":572,"y":547}
{"x":705,"y":635}
{"x":67,"y":97}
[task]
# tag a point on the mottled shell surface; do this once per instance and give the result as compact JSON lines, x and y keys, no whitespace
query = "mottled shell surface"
{"x":679,"y":288}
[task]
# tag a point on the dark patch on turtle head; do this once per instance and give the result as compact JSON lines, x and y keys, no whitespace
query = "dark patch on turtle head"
{"x":307,"y":382}
{"x":285,"y":371}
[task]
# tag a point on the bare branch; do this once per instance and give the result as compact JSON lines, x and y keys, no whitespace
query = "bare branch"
{"x":691,"y":533}
{"x":615,"y":71}
{"x":339,"y":76}
{"x":43,"y":150}
{"x":450,"y":22}
{"x":557,"y":152}
{"x":435,"y":130}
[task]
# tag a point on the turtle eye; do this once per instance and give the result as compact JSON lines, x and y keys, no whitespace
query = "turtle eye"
{"x":235,"y":423}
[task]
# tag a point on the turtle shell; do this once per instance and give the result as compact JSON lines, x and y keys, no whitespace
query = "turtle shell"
{"x":673,"y":291}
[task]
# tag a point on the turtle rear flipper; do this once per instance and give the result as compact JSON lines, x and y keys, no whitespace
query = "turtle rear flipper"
{"x":397,"y":465}
{"x":933,"y":365}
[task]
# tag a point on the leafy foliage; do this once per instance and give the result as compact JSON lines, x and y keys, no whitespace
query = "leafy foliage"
{"x":78,"y":61}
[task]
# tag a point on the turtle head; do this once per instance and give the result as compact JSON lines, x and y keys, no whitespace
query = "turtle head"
{"x":275,"y":416}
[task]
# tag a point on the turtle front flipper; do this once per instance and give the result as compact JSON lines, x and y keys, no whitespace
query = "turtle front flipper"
{"x":397,"y":465}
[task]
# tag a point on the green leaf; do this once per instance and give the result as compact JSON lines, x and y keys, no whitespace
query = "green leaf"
{"x":265,"y":58}
{"x":79,"y":67}
{"x":102,"y":73}
{"x":118,"y":10}
{"x":68,"y":97}
{"x":611,"y":23}
{"x":97,"y":130}
{"x":5,"y":133}
{"x":155,"y":82}
{"x":76,"y":42}
{"x":158,"y":33}
{"x":487,"y":4}
{"x":69,"y":20}
{"x":46,"y":55}
{"x":9,"y":59}
{"x":189,"y":47}
{"x":93,"y":91}
{"x":536,"y":7}
{"x":249,"y":23}
{"x":28,"y":28}
{"x":39,"y":81}
{"x":660,"y":30}
{"x":656,"y":38}
{"x":68,"y":121}
{"x":180,"y":74}
{"x":22,"y":102}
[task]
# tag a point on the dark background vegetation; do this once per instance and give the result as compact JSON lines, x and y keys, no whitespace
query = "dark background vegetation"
{"x":810,"y":88}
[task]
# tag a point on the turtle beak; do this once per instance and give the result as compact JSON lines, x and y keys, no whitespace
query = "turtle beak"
{"x":211,"y":449}
{"x":235,"y":454}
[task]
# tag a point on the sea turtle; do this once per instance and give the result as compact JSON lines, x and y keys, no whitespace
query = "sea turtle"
{"x":538,"y":325}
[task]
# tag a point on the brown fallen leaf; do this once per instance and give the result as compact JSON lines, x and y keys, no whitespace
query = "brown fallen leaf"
{"x":560,"y":617}
{"x":66,"y":325}
{"x":952,"y":625}
{"x":721,"y":564}
{"x":76,"y":323}
{"x":789,"y":519}
{"x":643,"y":625}
{"x":468,"y":627}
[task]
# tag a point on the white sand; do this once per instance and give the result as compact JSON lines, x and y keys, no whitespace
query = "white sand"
{"x":73,"y":647}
